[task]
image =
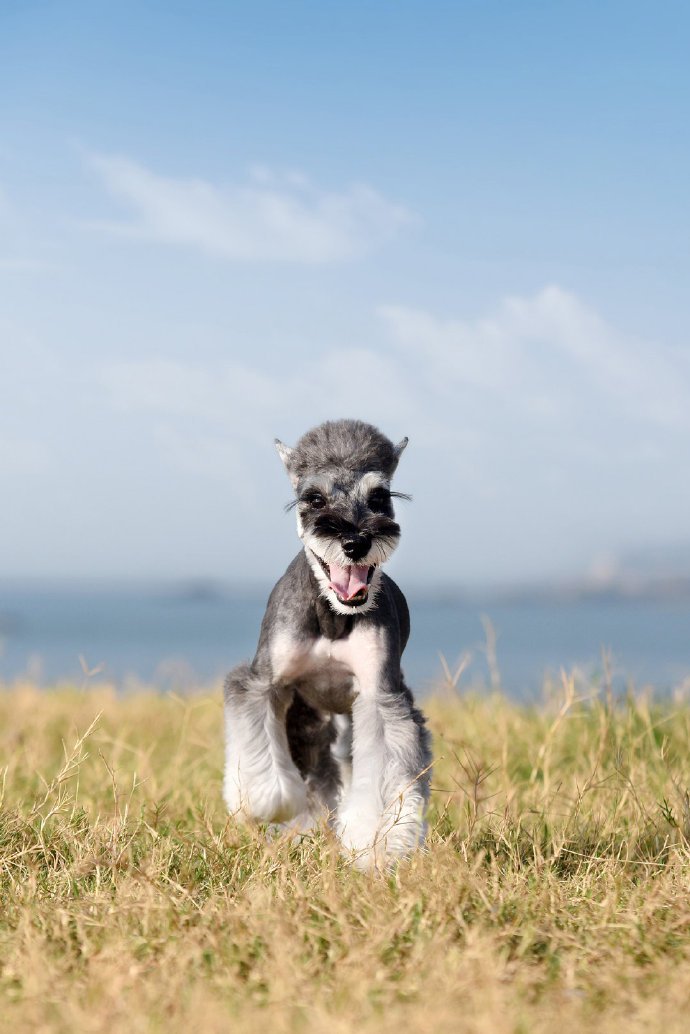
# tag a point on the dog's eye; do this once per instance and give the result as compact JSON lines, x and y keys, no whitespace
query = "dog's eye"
{"x":379,"y":499}
{"x":316,"y":501}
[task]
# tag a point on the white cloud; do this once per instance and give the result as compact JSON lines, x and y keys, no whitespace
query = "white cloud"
{"x":548,"y":357}
{"x":268,"y":218}
{"x":545,"y":433}
{"x":538,"y":435}
{"x":545,"y":367}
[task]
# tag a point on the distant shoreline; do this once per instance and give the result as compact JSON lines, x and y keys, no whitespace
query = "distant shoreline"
{"x":666,"y":588}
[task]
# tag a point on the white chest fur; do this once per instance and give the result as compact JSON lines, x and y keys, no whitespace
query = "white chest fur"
{"x":329,"y":667}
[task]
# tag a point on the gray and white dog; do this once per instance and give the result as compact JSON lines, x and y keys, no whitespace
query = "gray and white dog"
{"x":321,"y":723}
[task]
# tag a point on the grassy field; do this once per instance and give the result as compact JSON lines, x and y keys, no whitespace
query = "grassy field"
{"x":554,"y":893}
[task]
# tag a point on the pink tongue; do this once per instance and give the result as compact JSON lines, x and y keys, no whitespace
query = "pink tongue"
{"x":348,"y":581}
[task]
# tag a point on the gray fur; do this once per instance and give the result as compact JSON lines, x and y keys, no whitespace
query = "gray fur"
{"x":324,"y":700}
{"x":341,"y":445}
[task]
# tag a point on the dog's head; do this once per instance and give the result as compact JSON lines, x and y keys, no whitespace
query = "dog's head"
{"x":341,"y":473}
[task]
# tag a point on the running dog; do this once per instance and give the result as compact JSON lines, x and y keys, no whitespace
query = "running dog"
{"x":321,"y":724}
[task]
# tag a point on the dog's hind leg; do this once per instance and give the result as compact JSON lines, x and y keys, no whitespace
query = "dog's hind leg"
{"x":261,"y":779}
{"x":311,"y":737}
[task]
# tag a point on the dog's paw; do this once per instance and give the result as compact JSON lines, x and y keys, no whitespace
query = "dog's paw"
{"x":275,"y":800}
{"x":378,"y":841}
{"x":358,"y":830}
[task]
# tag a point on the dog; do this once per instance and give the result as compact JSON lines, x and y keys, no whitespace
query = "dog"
{"x":321,"y":724}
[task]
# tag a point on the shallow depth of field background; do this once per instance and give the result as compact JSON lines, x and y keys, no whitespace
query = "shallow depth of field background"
{"x":221,"y":225}
{"x":467,"y":223}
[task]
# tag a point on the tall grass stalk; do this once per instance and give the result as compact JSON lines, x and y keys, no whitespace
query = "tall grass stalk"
{"x":553,"y":894}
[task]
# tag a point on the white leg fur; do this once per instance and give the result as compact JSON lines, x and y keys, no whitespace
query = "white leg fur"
{"x":381,"y":817}
{"x":261,"y":780}
{"x":342,"y":751}
{"x":405,"y":785}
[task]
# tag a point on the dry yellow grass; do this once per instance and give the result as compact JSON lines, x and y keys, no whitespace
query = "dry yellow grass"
{"x":553,"y":894}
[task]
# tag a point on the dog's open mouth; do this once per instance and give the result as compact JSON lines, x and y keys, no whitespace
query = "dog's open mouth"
{"x":350,"y":584}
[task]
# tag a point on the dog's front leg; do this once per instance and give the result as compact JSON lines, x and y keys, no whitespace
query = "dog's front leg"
{"x":261,"y":780}
{"x":382,"y":815}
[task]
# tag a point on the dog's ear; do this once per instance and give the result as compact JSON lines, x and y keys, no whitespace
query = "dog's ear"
{"x":399,"y":450}
{"x":285,"y":453}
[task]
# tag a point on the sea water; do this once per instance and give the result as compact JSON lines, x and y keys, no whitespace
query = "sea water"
{"x":180,"y":638}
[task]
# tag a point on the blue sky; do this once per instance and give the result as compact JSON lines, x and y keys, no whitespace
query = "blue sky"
{"x":466,"y":222}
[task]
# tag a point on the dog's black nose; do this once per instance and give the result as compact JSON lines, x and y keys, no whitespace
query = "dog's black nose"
{"x":357,"y":546}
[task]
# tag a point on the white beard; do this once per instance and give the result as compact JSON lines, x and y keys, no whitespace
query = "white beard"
{"x":330,"y":595}
{"x":381,"y":550}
